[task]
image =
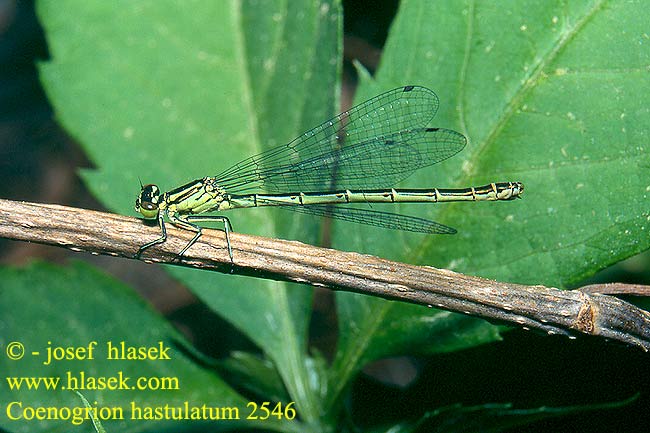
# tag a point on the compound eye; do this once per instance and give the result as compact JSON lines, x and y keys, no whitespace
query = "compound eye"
{"x":147,"y":202}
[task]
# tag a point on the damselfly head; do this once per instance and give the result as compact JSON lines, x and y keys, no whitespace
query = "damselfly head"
{"x":147,"y":201}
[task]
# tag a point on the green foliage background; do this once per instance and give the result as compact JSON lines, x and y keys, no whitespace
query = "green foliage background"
{"x":548,"y":93}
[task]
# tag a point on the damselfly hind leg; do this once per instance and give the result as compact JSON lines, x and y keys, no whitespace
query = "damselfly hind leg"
{"x":186,"y":223}
{"x":160,"y":240}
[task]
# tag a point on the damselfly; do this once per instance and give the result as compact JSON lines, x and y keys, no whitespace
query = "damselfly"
{"x":356,"y":157}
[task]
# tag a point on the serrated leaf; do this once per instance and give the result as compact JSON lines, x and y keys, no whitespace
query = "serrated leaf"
{"x":179,"y":91}
{"x":549,"y":95}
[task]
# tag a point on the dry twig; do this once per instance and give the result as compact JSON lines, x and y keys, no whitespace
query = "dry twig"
{"x":541,"y":308}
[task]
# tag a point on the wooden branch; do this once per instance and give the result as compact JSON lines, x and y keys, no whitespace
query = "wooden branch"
{"x":544,"y":309}
{"x":617,"y":289}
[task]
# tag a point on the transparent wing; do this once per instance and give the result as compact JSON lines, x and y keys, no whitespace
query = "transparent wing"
{"x":373,"y":218}
{"x":375,"y":144}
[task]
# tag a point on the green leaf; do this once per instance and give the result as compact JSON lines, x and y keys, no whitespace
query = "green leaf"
{"x":178,"y":91}
{"x":548,"y":94}
{"x":44,"y":306}
{"x":255,"y":374}
{"x":372,"y":329}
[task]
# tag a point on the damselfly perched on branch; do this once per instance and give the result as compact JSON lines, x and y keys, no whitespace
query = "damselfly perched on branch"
{"x":356,"y":157}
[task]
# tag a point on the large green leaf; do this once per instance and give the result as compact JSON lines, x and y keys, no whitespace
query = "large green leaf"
{"x":170,"y":91}
{"x":45,"y":306}
{"x":549,"y":94}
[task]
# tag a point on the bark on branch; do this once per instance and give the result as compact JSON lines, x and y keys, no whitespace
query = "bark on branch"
{"x":541,"y":308}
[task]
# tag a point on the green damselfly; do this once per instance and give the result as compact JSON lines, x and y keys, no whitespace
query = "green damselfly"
{"x":356,"y":157}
